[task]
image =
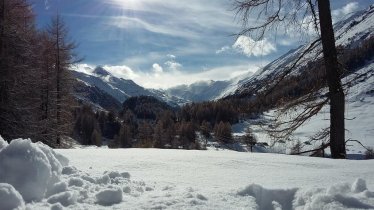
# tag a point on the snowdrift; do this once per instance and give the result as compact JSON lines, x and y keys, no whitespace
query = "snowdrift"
{"x":34,"y":176}
{"x":338,"y":196}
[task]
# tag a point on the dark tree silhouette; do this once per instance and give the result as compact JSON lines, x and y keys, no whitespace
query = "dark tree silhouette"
{"x":286,"y":14}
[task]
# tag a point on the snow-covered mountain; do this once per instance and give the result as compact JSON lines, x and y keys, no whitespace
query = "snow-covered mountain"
{"x":349,"y":33}
{"x":120,"y":89}
{"x":95,"y":97}
{"x":208,"y":90}
{"x":199,"y":91}
{"x":355,"y":31}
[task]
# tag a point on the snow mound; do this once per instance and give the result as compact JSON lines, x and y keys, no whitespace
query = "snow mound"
{"x":55,"y":164}
{"x":116,"y":174}
{"x":109,"y":197}
{"x":3,"y":143}
{"x":57,"y":188}
{"x":74,"y":181}
{"x":25,"y":166}
{"x":57,"y":206}
{"x":88,"y":179}
{"x":62,"y":159}
{"x":359,"y":186}
{"x":269,"y":199}
{"x":338,"y":196}
{"x":65,"y":198}
{"x":31,"y":168}
{"x":10,"y":199}
{"x":105,"y":179}
{"x":68,"y":170}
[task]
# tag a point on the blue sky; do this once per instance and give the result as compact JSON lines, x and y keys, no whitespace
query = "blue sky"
{"x":163,"y":43}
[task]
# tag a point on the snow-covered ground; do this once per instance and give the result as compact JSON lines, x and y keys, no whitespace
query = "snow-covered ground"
{"x":37,"y":177}
{"x":359,"y":119}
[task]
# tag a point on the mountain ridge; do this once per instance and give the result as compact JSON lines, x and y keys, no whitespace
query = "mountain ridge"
{"x":350,"y":32}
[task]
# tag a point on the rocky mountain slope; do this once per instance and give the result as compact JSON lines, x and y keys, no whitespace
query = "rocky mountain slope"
{"x":119,"y":88}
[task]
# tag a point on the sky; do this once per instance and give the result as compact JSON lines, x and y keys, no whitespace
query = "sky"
{"x":164,"y":43}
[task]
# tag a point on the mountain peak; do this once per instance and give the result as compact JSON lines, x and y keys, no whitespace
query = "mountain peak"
{"x":99,"y":70}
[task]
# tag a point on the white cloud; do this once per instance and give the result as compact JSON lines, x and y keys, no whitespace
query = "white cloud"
{"x":171,"y":56}
{"x":122,"y":72}
{"x":133,"y":22}
{"x":173,"y":65}
{"x":250,"y":47}
{"x":83,"y":68}
{"x":346,"y":10}
{"x":171,"y":79}
{"x":167,"y":79}
{"x":223,"y":49}
{"x":191,"y":20}
{"x":157,"y":69}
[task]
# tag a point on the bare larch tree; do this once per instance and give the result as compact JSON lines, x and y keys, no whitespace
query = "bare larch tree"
{"x":64,"y":58}
{"x":273,"y":15}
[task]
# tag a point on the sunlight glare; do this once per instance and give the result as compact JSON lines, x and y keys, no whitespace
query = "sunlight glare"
{"x":129,"y":4}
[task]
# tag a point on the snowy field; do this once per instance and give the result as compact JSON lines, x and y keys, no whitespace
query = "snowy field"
{"x":178,"y":179}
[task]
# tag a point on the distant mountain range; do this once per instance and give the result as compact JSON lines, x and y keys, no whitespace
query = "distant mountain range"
{"x":100,"y":80}
{"x":107,"y":91}
{"x":118,"y":88}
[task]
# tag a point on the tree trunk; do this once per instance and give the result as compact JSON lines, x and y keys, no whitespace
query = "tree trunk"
{"x":2,"y":26}
{"x":58,"y":82}
{"x":336,"y":93}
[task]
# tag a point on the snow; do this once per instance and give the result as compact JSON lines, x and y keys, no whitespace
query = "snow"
{"x":101,"y":178}
{"x":56,"y":166}
{"x":10,"y":199}
{"x":75,"y":182}
{"x":119,"y":88}
{"x":3,"y":143}
{"x":179,"y":179}
{"x":359,"y":120}
{"x":221,"y":180}
{"x":338,"y":196}
{"x":109,"y":197}
{"x":57,"y":206}
{"x":69,"y":170}
{"x":349,"y":33}
{"x":64,"y":198}
{"x":359,"y":186}
{"x":269,"y":199}
{"x":28,"y":168}
{"x":57,"y":188}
